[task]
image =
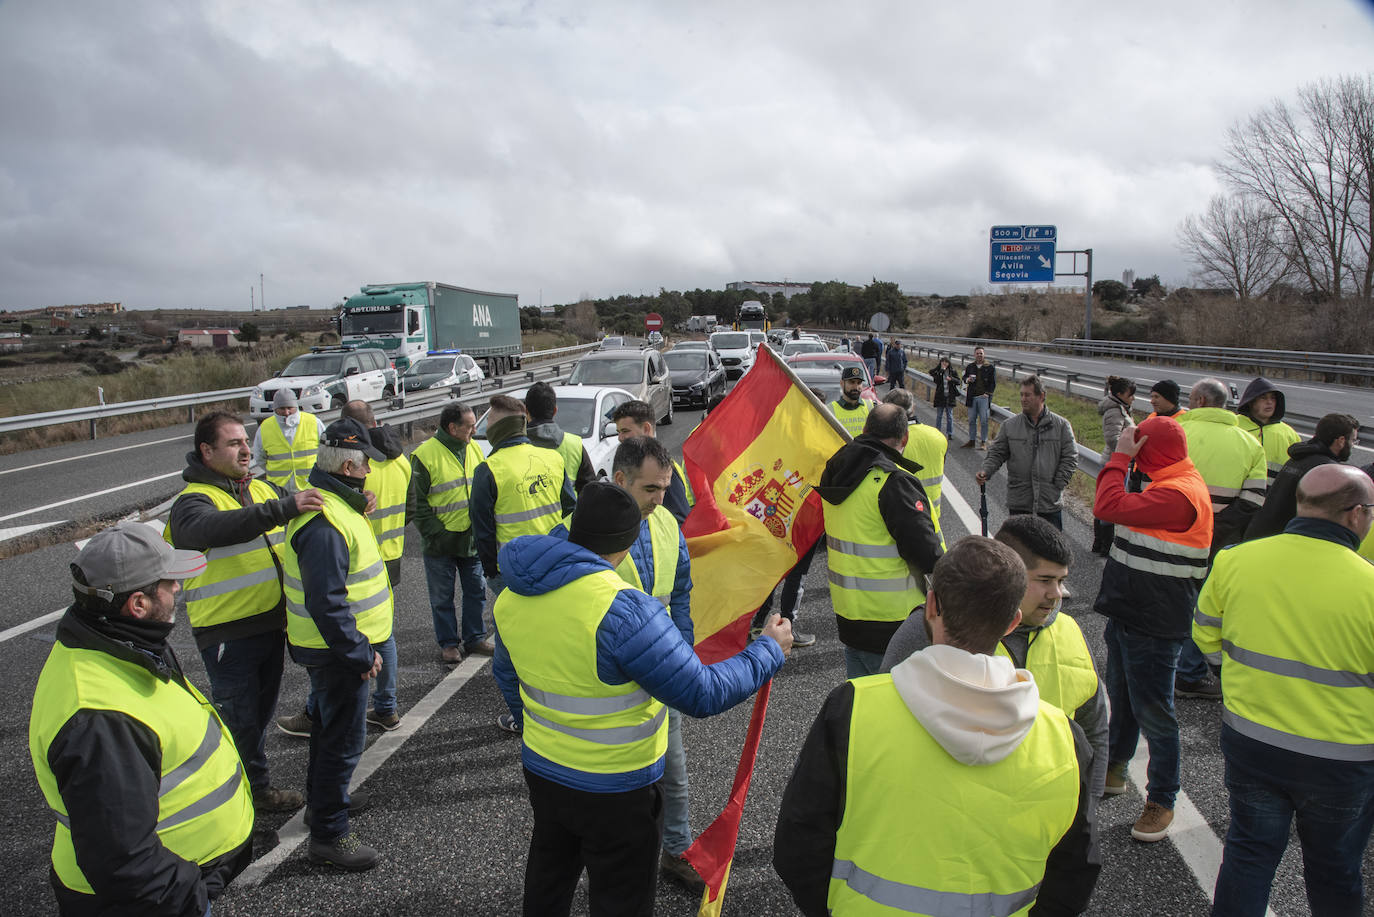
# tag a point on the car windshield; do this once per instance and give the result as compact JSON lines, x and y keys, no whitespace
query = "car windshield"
{"x":792,"y":347}
{"x":575,"y":415}
{"x":822,"y":380}
{"x":365,"y":322}
{"x":430,"y":366}
{"x":692,"y":345}
{"x":685,"y":360}
{"x":628,"y":371}
{"x":314,"y":364}
{"x":730,"y":341}
{"x":757,"y":337}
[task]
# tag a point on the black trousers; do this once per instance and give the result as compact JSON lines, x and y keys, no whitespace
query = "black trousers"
{"x":614,"y":836}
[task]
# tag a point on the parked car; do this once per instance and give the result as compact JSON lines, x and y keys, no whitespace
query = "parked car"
{"x":792,"y":348}
{"x":326,"y":377}
{"x":692,"y":345}
{"x":736,"y":352}
{"x":822,"y":371}
{"x":655,"y":339}
{"x":642,"y":373}
{"x":583,"y":410}
{"x":698,"y":375}
{"x":440,"y":369}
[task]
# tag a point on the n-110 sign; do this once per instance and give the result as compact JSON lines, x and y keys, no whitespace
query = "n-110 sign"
{"x":1022,"y":254}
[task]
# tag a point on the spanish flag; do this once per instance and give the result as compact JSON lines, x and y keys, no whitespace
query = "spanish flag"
{"x":753,"y":465}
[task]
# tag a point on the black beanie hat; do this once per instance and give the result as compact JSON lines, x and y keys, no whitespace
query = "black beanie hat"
{"x":606,"y":519}
{"x":1167,"y":389}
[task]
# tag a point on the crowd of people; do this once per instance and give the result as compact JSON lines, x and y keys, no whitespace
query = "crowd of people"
{"x":963,"y":671}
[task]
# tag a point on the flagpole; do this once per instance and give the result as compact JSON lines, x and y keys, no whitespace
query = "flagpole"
{"x":810,"y":396}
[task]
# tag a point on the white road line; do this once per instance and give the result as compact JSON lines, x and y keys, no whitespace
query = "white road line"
{"x":98,"y":493}
{"x":18,"y":630}
{"x":84,"y":455}
{"x":951,"y":497}
{"x":294,"y":833}
{"x":7,"y":534}
{"x":1190,"y":833}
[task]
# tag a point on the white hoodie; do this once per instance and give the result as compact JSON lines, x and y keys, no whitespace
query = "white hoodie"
{"x":978,"y":707}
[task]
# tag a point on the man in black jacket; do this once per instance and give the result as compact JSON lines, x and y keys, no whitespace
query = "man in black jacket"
{"x":237,"y":611}
{"x":880,"y":538}
{"x":126,"y":749}
{"x":1334,"y":441}
{"x":980,"y":381}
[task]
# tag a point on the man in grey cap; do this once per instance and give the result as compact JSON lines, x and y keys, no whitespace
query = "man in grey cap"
{"x":284,"y":446}
{"x":339,"y":609}
{"x":153,"y":808}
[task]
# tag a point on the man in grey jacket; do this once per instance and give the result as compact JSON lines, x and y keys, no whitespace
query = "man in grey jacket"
{"x":1040,"y":453}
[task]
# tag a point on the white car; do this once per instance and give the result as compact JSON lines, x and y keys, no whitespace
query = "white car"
{"x":441,"y":369}
{"x":326,"y":377}
{"x":792,"y":348}
{"x":736,"y":352}
{"x":584,"y":410}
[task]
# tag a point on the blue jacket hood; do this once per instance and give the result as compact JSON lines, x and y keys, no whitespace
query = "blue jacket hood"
{"x":536,"y":564}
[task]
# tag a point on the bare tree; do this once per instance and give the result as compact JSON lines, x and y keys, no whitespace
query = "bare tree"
{"x":1234,"y":243}
{"x":1311,"y":166}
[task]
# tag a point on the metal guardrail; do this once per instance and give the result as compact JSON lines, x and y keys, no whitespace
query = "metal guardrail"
{"x":191,"y":400}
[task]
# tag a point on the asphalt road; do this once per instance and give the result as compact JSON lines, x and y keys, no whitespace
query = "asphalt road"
{"x":448,"y":805}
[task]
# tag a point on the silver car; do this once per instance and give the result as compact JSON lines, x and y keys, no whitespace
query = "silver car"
{"x":642,"y":373}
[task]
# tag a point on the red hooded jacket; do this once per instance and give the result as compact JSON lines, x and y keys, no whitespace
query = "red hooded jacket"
{"x":1157,"y":509}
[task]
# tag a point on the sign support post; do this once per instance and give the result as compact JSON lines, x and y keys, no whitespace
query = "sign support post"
{"x":1087,"y":275}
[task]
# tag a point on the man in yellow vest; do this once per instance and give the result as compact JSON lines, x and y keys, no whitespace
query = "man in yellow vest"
{"x":1260,"y":413}
{"x":1290,"y":620}
{"x":236,"y":605}
{"x":153,"y":809}
{"x":925,"y":446}
{"x":1050,"y":645}
{"x":1156,"y":566}
{"x":596,"y":662}
{"x":1231,"y":463}
{"x":851,"y":408}
{"x":444,"y":466}
{"x":880,"y":539}
{"x":541,"y":403}
{"x":944,"y":786}
{"x":284,"y":446}
{"x":521,"y":489}
{"x":636,"y":418}
{"x":339,"y":610}
{"x":390,"y":480}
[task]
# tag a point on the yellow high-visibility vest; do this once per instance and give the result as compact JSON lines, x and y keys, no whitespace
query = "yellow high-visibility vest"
{"x":288,"y":464}
{"x":869,"y":579}
{"x":450,"y":480}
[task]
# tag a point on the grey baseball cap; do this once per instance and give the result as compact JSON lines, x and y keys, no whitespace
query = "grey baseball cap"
{"x":129,"y":556}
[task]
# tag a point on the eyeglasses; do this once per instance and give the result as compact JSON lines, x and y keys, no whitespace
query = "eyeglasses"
{"x":1368,"y":506}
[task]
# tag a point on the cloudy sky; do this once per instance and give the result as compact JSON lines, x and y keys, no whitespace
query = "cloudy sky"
{"x":164,"y":154}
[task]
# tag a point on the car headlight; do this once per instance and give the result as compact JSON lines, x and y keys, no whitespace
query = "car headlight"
{"x":312,"y":390}
{"x":696,"y":387}
{"x":257,"y":392}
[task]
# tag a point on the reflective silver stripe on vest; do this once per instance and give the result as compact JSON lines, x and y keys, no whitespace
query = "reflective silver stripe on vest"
{"x":391,"y":533}
{"x":366,"y":573}
{"x":1291,"y":668}
{"x":233,"y":584}
{"x":297,"y":610}
{"x":896,"y":584}
{"x":931,"y":482}
{"x":586,"y":706}
{"x":528,"y":514}
{"x":449,"y":485}
{"x":277,"y":537}
{"x":178,"y":775}
{"x":1205,"y":620}
{"x":1317,"y":748}
{"x":855,"y":549}
{"x":63,"y":820}
{"x":372,"y":601}
{"x":618,"y":735}
{"x":389,"y":511}
{"x":234,"y":550}
{"x":207,"y":803}
{"x":283,"y":456}
{"x":917,"y":900}
{"x":449,"y":507}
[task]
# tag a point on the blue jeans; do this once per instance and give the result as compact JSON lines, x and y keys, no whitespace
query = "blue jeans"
{"x":384,"y":686}
{"x":1192,"y":666}
{"x":1333,"y":802}
{"x":944,"y":420}
{"x":872,"y":365}
{"x":1140,"y":685}
{"x":978,"y":411}
{"x":677,"y":827}
{"x":338,"y":728}
{"x":245,"y":678}
{"x":440,"y":574}
{"x":858,"y":663}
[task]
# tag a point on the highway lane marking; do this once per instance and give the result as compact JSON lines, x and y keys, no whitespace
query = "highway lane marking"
{"x":84,"y":455}
{"x":18,"y":630}
{"x":15,"y":532}
{"x":98,"y":493}
{"x":971,"y":520}
{"x":294,"y":833}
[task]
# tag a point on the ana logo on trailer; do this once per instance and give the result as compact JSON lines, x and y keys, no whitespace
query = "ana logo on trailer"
{"x":481,"y":314}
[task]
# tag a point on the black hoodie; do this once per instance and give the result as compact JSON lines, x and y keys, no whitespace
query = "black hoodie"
{"x":905,"y":511}
{"x":1261,"y":386}
{"x":1281,"y":501}
{"x":197,"y":525}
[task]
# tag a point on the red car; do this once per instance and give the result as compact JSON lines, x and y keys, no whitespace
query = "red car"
{"x":821,"y":371}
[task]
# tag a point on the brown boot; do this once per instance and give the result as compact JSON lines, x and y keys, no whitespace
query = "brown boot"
{"x":967,"y":445}
{"x":1153,"y":823}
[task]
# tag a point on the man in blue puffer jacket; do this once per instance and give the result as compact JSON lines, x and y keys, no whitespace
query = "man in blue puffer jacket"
{"x":592,"y":662}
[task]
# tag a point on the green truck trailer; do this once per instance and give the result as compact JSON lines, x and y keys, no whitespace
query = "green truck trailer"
{"x":407,"y":320}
